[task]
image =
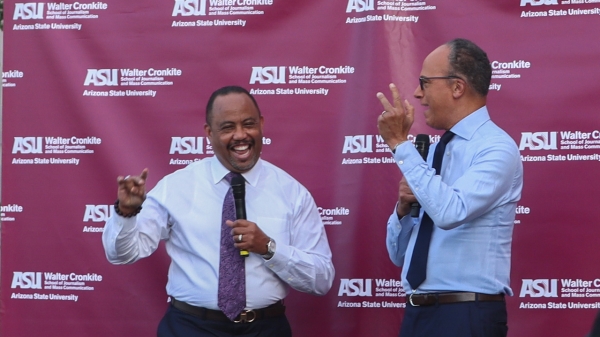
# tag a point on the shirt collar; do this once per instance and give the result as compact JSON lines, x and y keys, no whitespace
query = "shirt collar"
{"x":467,"y":126}
{"x":219,"y":171}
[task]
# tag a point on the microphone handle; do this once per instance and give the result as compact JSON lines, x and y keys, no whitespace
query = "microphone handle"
{"x":240,"y":213}
{"x":415,"y":209}
{"x":240,"y":209}
{"x":422,"y":145}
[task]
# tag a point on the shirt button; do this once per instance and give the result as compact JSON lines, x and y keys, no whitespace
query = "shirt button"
{"x":400,"y":162}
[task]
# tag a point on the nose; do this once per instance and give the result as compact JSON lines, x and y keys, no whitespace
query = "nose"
{"x":418,"y":92}
{"x":239,"y":132}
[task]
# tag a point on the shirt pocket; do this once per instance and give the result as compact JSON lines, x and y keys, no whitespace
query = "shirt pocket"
{"x":276,"y":228}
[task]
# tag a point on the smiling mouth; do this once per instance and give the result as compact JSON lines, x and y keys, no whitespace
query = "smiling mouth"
{"x":241,"y":148}
{"x":241,"y":151}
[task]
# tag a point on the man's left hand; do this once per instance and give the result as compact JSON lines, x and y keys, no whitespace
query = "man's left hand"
{"x":253,"y":238}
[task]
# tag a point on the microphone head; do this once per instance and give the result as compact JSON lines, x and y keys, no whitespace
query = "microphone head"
{"x":238,"y":185}
{"x":422,"y":144}
{"x":422,"y":138}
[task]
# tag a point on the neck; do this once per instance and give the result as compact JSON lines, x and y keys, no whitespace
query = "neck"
{"x":466,"y":108}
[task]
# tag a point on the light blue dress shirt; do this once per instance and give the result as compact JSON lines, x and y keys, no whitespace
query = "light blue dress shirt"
{"x":184,"y":209}
{"x":472,"y":205}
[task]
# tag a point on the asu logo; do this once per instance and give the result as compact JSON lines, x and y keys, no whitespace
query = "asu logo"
{"x":539,"y":288}
{"x":355,"y":287}
{"x":538,"y":2}
{"x":360,"y":5}
{"x":358,"y":144}
{"x":268,"y":75}
{"x":101,"y":77}
{"x":538,"y":141}
{"x":187,"y":145}
{"x":27,"y":145}
{"x":26,"y":280}
{"x":28,"y":11}
{"x":189,"y":8}
{"x":97,"y":213}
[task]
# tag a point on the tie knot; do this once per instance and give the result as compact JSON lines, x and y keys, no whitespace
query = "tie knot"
{"x":446,"y":137}
{"x":230,"y":176}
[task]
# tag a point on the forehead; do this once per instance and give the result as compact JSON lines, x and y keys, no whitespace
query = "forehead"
{"x":234,"y":104}
{"x":436,"y":63}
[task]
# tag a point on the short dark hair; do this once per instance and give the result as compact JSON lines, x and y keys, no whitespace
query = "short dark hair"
{"x":470,"y":61}
{"x":231,"y":89}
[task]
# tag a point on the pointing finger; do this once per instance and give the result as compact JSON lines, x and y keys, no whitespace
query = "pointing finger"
{"x":384,"y":101}
{"x":396,"y":95}
{"x":410,"y":110}
{"x":144,"y":174}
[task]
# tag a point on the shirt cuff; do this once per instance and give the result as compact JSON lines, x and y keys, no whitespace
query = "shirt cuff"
{"x":278,"y":262}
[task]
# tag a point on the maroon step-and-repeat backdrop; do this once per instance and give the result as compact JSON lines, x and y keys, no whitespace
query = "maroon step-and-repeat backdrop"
{"x":97,"y":89}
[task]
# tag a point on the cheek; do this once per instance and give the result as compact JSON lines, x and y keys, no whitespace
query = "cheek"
{"x":220,"y":142}
{"x":225,"y":137}
{"x":256,"y":135}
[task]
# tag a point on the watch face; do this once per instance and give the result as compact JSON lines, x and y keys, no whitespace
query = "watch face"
{"x":271,"y":247}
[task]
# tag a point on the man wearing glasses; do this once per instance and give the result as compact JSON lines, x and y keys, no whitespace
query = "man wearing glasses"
{"x":456,"y":252}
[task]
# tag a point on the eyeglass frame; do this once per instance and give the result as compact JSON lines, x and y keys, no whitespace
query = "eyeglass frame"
{"x":424,"y":78}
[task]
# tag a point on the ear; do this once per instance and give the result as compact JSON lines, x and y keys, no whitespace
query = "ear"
{"x":208,"y":130}
{"x":459,"y":88}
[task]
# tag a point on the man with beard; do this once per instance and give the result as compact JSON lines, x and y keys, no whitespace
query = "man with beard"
{"x":213,"y":290}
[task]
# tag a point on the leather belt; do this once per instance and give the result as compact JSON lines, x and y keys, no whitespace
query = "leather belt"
{"x":445,"y":298}
{"x":247,"y":316}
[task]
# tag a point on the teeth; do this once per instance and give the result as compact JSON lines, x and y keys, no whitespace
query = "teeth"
{"x":241,"y":148}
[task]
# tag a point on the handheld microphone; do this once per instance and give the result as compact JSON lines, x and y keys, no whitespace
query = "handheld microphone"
{"x":238,"y":185}
{"x":422,"y":145}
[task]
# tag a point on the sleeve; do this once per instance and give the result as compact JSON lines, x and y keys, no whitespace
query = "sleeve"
{"x":485,"y":184}
{"x":305,"y":264}
{"x":398,"y":235}
{"x":127,"y":240}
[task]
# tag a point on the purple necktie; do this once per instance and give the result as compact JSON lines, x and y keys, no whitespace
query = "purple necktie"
{"x":232,"y":275}
{"x":417,"y":270}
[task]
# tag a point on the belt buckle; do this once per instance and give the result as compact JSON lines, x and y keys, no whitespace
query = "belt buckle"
{"x":244,"y":317}
{"x":410,"y":300}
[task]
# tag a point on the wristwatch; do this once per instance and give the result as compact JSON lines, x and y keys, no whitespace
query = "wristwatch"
{"x":270,"y":250}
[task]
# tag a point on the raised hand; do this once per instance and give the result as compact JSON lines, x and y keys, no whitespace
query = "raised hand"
{"x":131,"y":192}
{"x":395,"y":121}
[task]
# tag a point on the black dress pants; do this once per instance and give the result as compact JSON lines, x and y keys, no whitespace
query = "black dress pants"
{"x":466,"y":319}
{"x":177,"y":323}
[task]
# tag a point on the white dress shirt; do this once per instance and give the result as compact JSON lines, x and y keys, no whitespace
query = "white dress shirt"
{"x":184,"y":209}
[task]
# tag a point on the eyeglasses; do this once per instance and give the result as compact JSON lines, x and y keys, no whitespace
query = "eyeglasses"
{"x":423,"y":79}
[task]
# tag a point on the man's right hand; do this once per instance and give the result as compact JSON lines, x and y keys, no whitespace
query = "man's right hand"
{"x":395,"y":121}
{"x":405,"y":198}
{"x":131,"y":192}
